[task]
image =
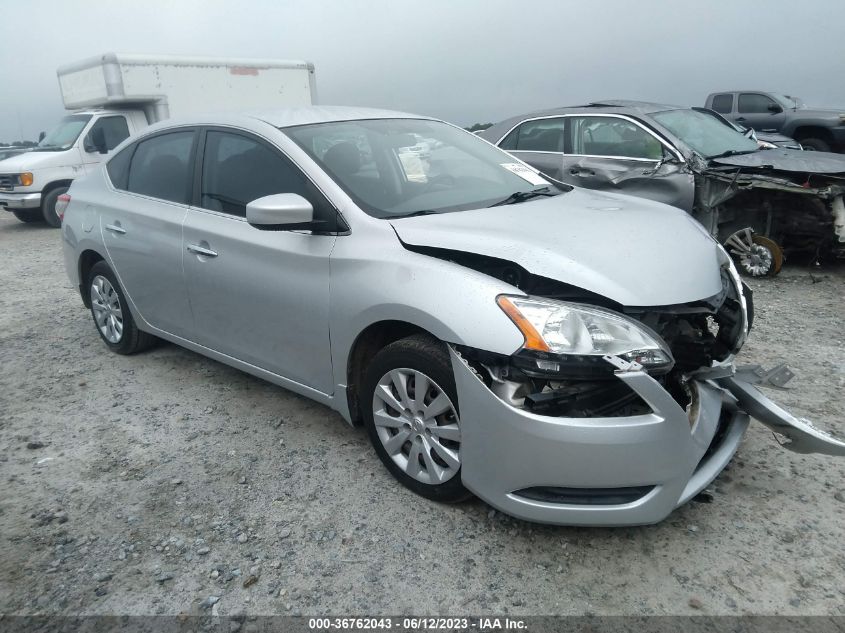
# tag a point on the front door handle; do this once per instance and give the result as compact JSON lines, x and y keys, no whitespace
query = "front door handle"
{"x":201,"y":250}
{"x":115,"y":228}
{"x":740,"y":118}
{"x":580,"y":172}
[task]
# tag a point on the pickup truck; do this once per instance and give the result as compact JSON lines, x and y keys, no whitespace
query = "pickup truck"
{"x":816,"y":129}
{"x":114,"y":96}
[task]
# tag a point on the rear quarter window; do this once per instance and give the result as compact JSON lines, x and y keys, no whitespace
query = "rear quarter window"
{"x":118,"y":168}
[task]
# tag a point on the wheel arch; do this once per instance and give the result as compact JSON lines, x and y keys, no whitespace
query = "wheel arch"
{"x":86,"y":262}
{"x":55,"y":185}
{"x":812,"y":131}
{"x":366,"y":345}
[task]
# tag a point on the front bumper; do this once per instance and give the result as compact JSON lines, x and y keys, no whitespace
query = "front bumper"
{"x":600,"y":471}
{"x":14,"y":201}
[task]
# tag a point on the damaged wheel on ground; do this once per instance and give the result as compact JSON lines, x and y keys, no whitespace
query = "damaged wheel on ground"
{"x":756,"y":255}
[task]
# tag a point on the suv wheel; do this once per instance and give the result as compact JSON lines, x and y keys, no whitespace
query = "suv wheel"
{"x":815,"y":145}
{"x":410,"y":412}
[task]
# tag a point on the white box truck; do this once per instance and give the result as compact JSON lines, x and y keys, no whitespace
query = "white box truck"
{"x":113,"y":96}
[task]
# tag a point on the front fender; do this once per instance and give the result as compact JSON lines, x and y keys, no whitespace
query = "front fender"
{"x":383,"y":281}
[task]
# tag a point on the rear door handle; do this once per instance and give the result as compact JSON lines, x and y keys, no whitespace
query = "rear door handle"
{"x":582,"y":172}
{"x":115,"y":228}
{"x":201,"y":250}
{"x":741,"y":118}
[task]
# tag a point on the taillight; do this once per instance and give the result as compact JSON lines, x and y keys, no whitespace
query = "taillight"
{"x":61,"y":205}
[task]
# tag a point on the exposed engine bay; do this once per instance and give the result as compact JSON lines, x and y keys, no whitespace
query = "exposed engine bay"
{"x":697,"y":334}
{"x":787,"y":212}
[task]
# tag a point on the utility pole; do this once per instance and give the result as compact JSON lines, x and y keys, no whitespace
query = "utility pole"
{"x":20,"y":128}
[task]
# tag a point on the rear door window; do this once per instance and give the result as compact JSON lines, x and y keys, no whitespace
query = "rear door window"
{"x":723,"y":103}
{"x":541,"y":135}
{"x":161,"y":167}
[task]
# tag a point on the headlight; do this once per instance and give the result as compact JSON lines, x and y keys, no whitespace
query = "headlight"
{"x":728,"y":263}
{"x":579,"y":333}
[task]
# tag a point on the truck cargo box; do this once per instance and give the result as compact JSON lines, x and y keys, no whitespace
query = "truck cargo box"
{"x":165,"y":86}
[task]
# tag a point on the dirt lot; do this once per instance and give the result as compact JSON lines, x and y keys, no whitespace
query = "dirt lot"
{"x":162,"y":482}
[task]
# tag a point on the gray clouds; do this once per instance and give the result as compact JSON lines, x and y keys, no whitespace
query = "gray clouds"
{"x":462,"y":61}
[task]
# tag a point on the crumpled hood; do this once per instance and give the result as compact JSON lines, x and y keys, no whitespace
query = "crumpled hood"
{"x":774,"y":137}
{"x":791,"y":160}
{"x":631,"y":250}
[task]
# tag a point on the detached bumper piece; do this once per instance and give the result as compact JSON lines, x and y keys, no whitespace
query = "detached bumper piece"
{"x":611,"y":471}
{"x":802,"y":436}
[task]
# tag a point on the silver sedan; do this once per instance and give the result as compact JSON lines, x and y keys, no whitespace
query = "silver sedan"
{"x":565,"y":355}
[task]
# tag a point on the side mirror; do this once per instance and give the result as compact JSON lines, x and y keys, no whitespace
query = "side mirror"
{"x":41,"y":136}
{"x":775,"y":108}
{"x":95,"y":141}
{"x":280,"y":212}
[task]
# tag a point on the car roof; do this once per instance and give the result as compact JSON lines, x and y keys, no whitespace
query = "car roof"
{"x":615,"y":106}
{"x":288,"y":117}
{"x":282,"y":117}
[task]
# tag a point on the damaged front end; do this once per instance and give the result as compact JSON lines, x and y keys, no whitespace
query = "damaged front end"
{"x":619,"y":438}
{"x":762,"y":211}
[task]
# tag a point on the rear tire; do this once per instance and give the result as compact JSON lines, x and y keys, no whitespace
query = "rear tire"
{"x":111,"y":313}
{"x":815,"y":144}
{"x":29,"y":215}
{"x":428,"y":460}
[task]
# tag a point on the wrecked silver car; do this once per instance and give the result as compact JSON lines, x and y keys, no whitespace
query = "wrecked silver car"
{"x":495,"y":333}
{"x":758,"y":203}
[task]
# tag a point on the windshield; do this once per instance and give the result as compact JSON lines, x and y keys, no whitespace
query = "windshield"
{"x":703,"y":133}
{"x":402,"y":167}
{"x":64,"y":135}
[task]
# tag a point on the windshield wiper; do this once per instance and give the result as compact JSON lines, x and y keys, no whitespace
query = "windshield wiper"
{"x":522,"y":196}
{"x":732,"y":152}
{"x":415,"y":213}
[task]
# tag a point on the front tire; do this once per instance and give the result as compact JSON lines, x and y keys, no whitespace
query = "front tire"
{"x":755,"y":255}
{"x":410,"y":409}
{"x":111,"y":314}
{"x":28,"y":215}
{"x":48,"y":206}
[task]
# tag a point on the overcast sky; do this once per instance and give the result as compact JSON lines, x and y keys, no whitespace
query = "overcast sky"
{"x":464,"y":61}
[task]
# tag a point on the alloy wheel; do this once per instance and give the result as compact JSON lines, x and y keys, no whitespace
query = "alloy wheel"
{"x":757,"y":255}
{"x":108,"y":313}
{"x":417,"y":425}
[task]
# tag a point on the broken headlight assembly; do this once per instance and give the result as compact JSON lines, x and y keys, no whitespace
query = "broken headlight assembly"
{"x":565,"y":339}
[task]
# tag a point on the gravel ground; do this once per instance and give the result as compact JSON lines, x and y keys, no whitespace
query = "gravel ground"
{"x":162,"y":482}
